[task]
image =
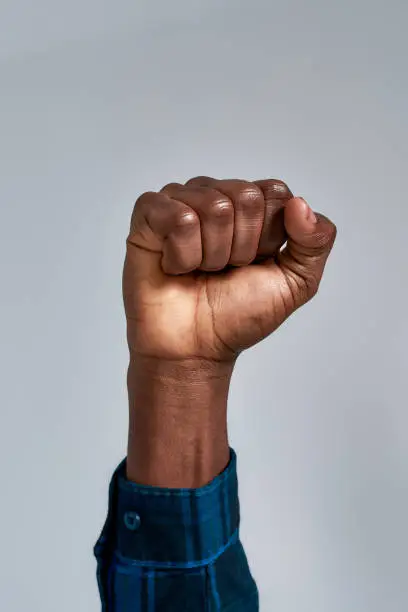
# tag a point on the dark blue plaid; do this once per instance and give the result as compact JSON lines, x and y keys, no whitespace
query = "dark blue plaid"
{"x":174,"y":550}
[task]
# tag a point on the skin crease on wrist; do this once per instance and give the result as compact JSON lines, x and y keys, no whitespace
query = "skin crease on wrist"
{"x":206,"y":277}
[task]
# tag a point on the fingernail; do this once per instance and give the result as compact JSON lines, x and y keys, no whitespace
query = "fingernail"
{"x":308,"y":212}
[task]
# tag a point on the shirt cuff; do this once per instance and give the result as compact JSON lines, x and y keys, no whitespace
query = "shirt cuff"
{"x":170,"y":528}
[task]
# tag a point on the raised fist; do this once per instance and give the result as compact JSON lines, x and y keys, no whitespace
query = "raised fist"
{"x":205,"y":274}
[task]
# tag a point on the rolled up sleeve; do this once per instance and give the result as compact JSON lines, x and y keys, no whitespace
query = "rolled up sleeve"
{"x":164,"y":550}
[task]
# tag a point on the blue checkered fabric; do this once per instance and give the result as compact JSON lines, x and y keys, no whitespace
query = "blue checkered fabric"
{"x":174,"y":550}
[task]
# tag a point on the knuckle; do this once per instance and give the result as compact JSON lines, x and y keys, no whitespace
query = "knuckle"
{"x":185,"y":220}
{"x":280,"y":186}
{"x":249,"y":198}
{"x":148,"y":197}
{"x":325,"y":236}
{"x":332,"y":232}
{"x":221,"y":208}
{"x":304,"y":288}
{"x":171,"y":186}
{"x":274,"y":189}
{"x":323,"y":240}
{"x":144,"y":204}
{"x":311,"y":287}
{"x":199,"y":180}
{"x":277,"y":188}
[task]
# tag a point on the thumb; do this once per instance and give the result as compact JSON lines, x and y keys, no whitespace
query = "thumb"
{"x":310,"y":239}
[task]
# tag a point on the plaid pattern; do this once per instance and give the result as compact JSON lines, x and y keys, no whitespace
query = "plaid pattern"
{"x":174,"y":550}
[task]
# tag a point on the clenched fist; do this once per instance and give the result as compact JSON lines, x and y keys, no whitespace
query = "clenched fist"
{"x":205,"y":274}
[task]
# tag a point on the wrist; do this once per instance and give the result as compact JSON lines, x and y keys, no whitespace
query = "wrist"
{"x":177,"y":421}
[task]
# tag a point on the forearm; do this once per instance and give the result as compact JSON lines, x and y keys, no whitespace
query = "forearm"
{"x":175,"y":543}
{"x":177,"y":421}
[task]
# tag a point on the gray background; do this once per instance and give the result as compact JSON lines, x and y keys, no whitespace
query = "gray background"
{"x":101,"y":101}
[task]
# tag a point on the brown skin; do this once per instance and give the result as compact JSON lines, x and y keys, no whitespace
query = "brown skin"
{"x":204,"y":279}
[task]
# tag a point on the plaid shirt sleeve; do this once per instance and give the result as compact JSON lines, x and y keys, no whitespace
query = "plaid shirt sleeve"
{"x":174,"y":550}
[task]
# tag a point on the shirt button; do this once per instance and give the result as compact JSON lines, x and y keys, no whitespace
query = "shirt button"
{"x":132,"y":521}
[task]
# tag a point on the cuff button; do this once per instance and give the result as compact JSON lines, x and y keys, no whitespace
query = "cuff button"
{"x":132,"y":521}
